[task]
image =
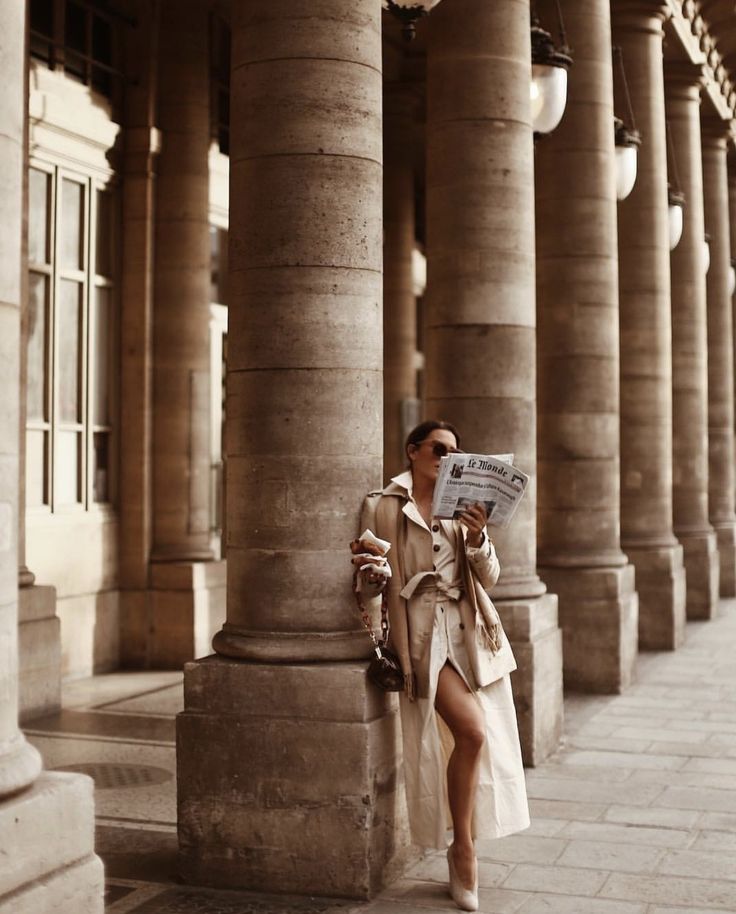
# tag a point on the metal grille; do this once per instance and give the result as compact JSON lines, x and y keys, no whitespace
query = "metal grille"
{"x":110,"y":776}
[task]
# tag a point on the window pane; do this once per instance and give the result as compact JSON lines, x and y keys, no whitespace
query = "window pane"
{"x":75,"y":27}
{"x":37,"y":311}
{"x":101,"y":41}
{"x":69,"y":321}
{"x":101,"y":330}
{"x":66,"y":468}
{"x":101,"y":478}
{"x":38,"y":216}
{"x":103,"y":234}
{"x":36,"y":487}
{"x":72,"y":225}
{"x":42,"y":17}
{"x":102,"y":81}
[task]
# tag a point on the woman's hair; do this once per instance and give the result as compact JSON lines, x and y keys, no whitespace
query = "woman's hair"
{"x":423,"y":430}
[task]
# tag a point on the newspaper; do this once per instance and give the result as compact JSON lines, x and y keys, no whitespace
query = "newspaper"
{"x":469,"y":478}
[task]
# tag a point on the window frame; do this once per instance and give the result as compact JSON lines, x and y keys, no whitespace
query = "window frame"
{"x":85,"y":426}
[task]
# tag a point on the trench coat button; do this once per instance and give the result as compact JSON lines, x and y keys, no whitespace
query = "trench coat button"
{"x":435,"y":528}
{"x":436,"y":547}
{"x":462,"y":626}
{"x":434,"y":568}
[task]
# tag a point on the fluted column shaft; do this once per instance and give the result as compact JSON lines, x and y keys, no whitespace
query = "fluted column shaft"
{"x":182,"y":288}
{"x":399,"y":302}
{"x":480,"y":326}
{"x":304,"y":384}
{"x":20,"y":763}
{"x":690,"y":349}
{"x":646,"y":347}
{"x":720,"y":352}
{"x":579,"y":553}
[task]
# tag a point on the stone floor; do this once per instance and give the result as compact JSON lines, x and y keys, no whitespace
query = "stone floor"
{"x":636,"y":814}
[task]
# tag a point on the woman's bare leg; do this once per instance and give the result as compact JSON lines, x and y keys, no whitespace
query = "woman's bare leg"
{"x":460,"y":711}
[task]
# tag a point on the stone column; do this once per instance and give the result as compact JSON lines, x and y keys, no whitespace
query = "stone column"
{"x":39,"y":628}
{"x":399,"y":303}
{"x":720,"y":351}
{"x":66,"y":874}
{"x":188,"y":598}
{"x":579,"y":553}
{"x":646,"y":346}
{"x":690,"y":350}
{"x":480,"y":347}
{"x":141,"y":145}
{"x":315,"y":808}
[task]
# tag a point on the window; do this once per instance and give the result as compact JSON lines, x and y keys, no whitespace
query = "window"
{"x":78,"y":37}
{"x":71,"y":317}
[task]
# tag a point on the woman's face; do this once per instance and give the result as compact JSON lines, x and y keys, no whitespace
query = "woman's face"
{"x":425,"y":464}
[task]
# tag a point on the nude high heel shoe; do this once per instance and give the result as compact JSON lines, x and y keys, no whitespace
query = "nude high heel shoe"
{"x":465,"y":899}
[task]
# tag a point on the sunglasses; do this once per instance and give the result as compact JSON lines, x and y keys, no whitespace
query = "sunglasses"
{"x":442,"y":450}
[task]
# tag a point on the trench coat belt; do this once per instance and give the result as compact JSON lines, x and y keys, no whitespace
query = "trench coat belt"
{"x":430,"y":580}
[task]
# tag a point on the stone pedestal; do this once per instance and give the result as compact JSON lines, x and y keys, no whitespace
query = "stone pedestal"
{"x":39,"y":652}
{"x":578,"y":551}
{"x":646,"y":338}
{"x":480,"y":336}
{"x":690,"y":350}
{"x":288,"y":770}
{"x":720,"y":352}
{"x":315,"y":807}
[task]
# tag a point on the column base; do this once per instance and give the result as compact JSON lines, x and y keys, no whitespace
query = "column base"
{"x":702,"y":572}
{"x":598,"y":615}
{"x":47,"y":849}
{"x":726,"y":537}
{"x":176,"y":619}
{"x":531,"y":627}
{"x":39,"y":653}
{"x":660,"y":583}
{"x":287,"y":779}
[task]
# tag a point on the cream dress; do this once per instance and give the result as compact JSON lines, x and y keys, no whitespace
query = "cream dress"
{"x":501,"y":803}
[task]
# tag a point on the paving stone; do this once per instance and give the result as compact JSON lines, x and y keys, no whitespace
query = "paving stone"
{"x":628,"y":834}
{"x":711,"y":765}
{"x":569,"y":789}
{"x":545,"y":828}
{"x":589,"y":773}
{"x":717,"y":820}
{"x":726,"y":782}
{"x":715,"y":841}
{"x":565,"y":809}
{"x":556,"y":880}
{"x":678,"y":910}
{"x":702,"y":750}
{"x":659,"y":735}
{"x":607,"y":855}
{"x":626,"y":760}
{"x":698,"y":798}
{"x":671,"y":890}
{"x":521,"y":849}
{"x":605,"y":743}
{"x":658,"y":818}
{"x":565,"y":904}
{"x":699,"y":864}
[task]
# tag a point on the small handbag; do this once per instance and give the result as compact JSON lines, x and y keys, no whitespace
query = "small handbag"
{"x":384,"y":668}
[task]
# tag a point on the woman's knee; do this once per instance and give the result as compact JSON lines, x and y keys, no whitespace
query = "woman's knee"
{"x":471,"y":737}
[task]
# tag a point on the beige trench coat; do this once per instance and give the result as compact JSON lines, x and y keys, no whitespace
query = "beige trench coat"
{"x":424,"y":628}
{"x":411,"y":627}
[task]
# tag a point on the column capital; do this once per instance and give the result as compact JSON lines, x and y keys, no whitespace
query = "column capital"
{"x":639,"y":16}
{"x":682,"y":74}
{"x":715,"y":131}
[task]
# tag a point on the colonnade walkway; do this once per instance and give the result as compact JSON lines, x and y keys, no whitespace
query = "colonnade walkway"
{"x":636,"y":814}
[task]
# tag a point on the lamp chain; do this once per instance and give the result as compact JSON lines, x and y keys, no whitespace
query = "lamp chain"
{"x":618,"y":53}
{"x":563,"y":35}
{"x":671,"y":155}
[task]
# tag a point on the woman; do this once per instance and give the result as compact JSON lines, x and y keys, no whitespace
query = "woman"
{"x":455,"y":659}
